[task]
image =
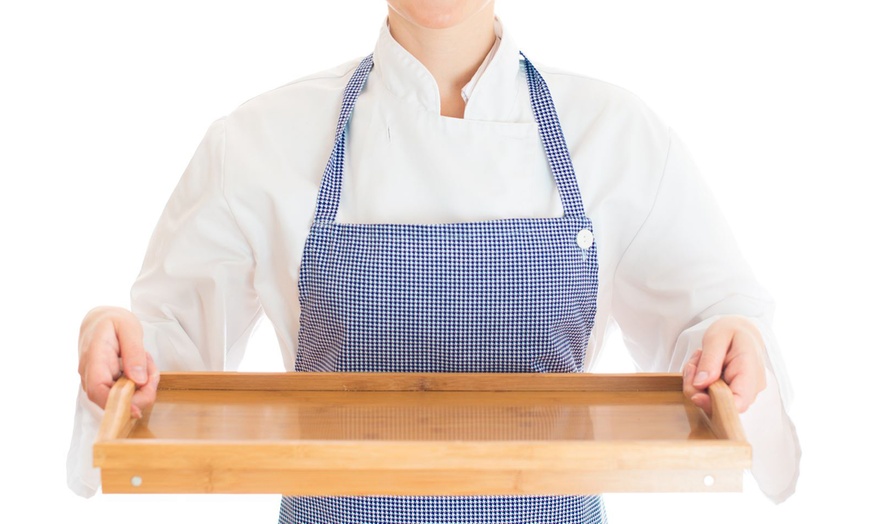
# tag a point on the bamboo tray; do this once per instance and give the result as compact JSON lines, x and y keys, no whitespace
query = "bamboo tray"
{"x":420,"y":434}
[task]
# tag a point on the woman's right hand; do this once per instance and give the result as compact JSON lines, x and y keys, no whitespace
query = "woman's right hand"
{"x":110,"y":344}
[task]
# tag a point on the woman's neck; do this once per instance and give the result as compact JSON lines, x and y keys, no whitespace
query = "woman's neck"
{"x":452,"y":54}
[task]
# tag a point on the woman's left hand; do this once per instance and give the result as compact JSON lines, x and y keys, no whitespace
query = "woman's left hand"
{"x":732,"y":348}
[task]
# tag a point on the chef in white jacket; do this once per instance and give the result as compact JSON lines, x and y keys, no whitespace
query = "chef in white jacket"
{"x":443,"y":131}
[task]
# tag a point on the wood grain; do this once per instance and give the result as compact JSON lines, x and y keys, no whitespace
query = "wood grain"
{"x":725,"y":420}
{"x":116,"y":421}
{"x":421,"y":381}
{"x":381,"y":433}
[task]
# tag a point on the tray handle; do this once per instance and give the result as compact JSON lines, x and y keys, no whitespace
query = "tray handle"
{"x":116,"y":420}
{"x":725,"y":420}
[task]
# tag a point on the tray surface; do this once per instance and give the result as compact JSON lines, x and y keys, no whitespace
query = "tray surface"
{"x":431,"y":416}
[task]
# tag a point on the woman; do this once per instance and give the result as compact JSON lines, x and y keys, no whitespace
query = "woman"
{"x":474,"y":214}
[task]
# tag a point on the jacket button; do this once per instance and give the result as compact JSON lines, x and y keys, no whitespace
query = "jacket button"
{"x":585,"y":239}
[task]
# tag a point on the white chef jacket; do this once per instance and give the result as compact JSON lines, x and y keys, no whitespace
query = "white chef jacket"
{"x":228,"y":246}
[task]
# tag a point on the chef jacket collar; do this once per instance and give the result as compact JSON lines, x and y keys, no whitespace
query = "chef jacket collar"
{"x":492,"y":95}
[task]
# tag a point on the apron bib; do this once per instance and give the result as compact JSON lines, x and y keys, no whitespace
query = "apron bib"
{"x":513,"y":295}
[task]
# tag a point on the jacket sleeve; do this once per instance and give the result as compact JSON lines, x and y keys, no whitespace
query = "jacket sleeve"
{"x":681,"y":272}
{"x":194,"y":295}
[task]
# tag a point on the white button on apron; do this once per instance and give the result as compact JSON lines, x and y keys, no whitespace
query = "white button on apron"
{"x":585,"y":238}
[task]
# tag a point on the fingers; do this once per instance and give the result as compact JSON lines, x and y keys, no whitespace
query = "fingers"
{"x":99,"y":365}
{"x":732,"y":349}
{"x":110,"y":342}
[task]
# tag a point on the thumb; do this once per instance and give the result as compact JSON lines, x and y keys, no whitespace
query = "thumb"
{"x":714,"y":347}
{"x":133,"y":359}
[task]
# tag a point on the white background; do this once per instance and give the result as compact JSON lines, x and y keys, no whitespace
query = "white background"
{"x":103,"y":102}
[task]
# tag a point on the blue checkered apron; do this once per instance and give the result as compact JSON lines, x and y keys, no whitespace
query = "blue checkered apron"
{"x":514,"y":295}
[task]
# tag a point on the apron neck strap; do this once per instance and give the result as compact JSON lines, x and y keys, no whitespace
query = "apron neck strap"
{"x":555,"y":146}
{"x":543,"y":108}
{"x":330,"y":186}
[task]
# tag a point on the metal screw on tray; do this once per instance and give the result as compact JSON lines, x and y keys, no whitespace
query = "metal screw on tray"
{"x":709,"y":480}
{"x":136,"y":481}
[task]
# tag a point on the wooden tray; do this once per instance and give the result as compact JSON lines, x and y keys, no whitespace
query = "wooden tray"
{"x":420,"y":434}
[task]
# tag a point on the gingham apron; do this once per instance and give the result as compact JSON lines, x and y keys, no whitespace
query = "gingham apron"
{"x":515,"y":295}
